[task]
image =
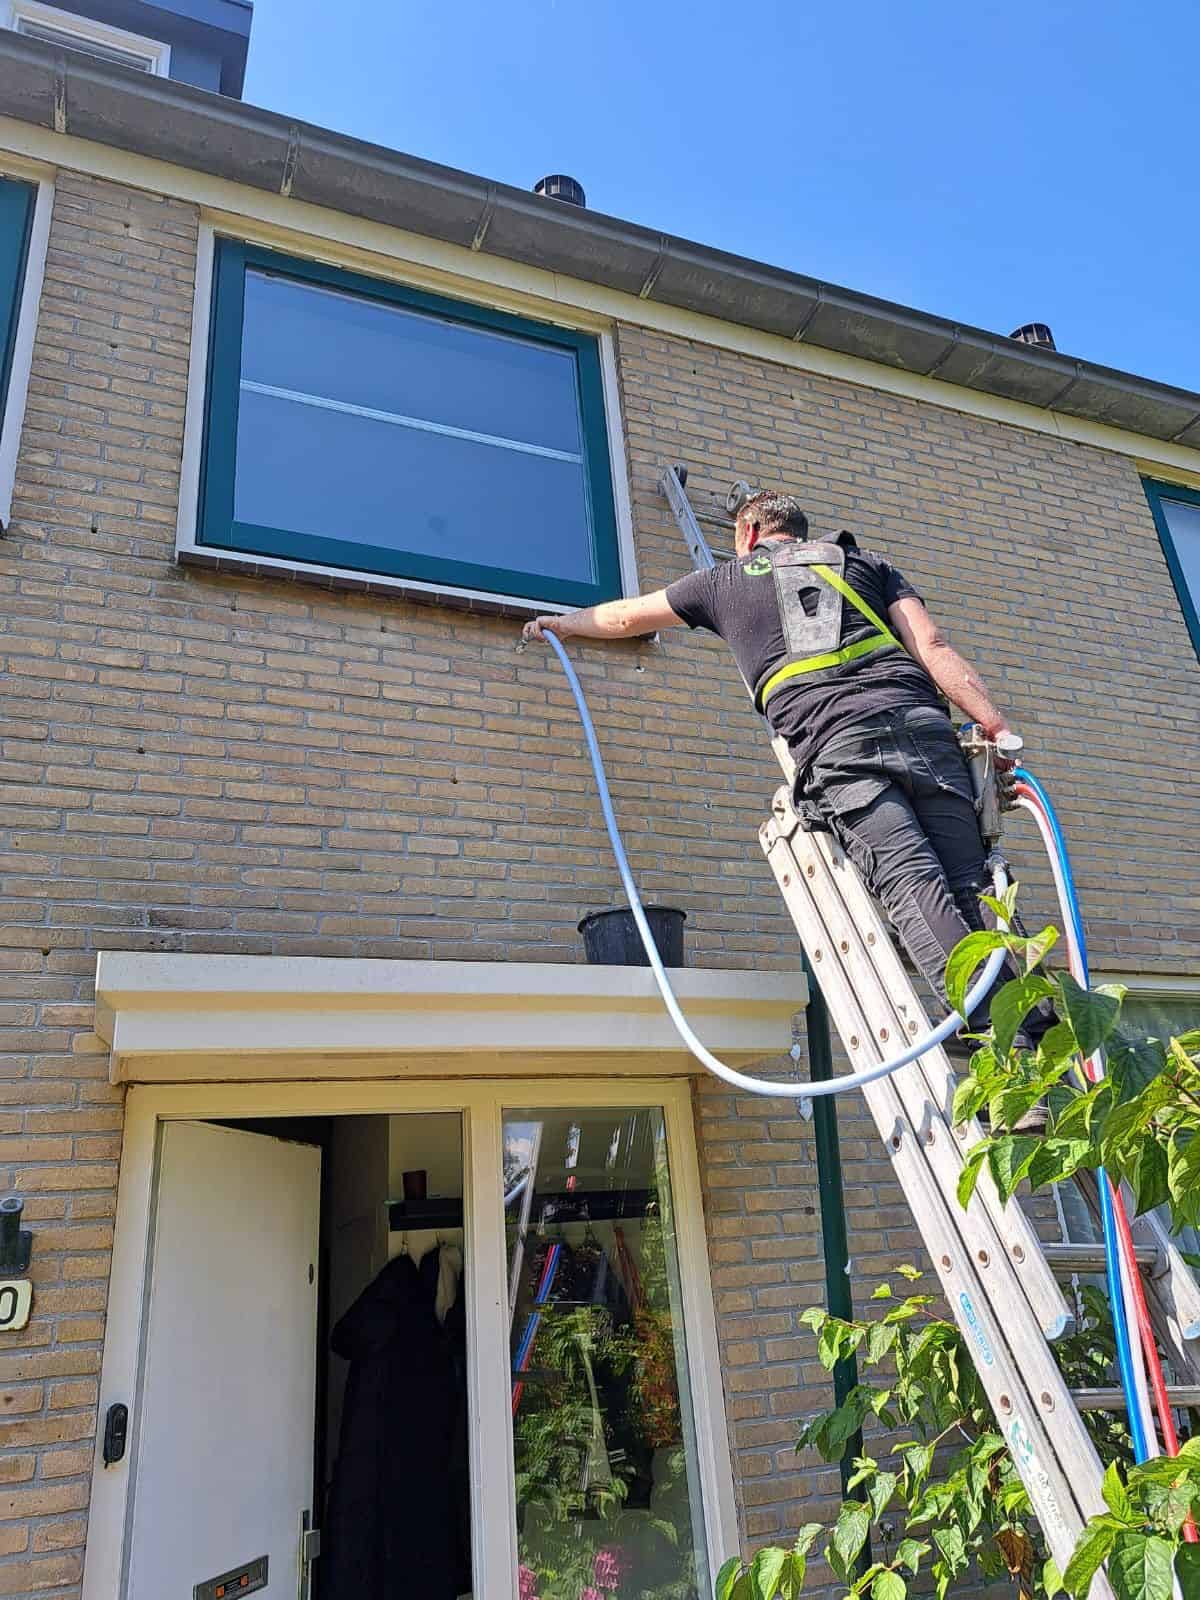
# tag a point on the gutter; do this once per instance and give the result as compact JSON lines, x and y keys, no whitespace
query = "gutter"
{"x":173,"y":122}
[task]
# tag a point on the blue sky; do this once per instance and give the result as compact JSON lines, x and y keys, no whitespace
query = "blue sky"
{"x":993,"y":163}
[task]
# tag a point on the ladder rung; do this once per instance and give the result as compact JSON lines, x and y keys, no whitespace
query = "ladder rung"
{"x":1179,"y":1394}
{"x":1068,"y":1258}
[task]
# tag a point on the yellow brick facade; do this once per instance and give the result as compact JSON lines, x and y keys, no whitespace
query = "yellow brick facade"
{"x":194,"y":762}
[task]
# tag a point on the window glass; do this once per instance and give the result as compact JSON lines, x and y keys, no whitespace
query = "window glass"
{"x":389,"y":432}
{"x":1183,"y":519}
{"x":1177,"y":518}
{"x":607,"y":1487}
{"x":16,"y":214}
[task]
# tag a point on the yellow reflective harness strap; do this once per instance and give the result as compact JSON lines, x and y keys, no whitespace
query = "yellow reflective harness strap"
{"x":885,"y":639}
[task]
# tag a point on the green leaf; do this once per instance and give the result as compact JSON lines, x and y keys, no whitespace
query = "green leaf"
{"x":805,"y":1538}
{"x":814,"y":1317}
{"x":910,"y":1272}
{"x":881,"y":1492}
{"x":1187,"y":1569}
{"x":1139,"y":1567}
{"x":969,"y":1176}
{"x":953,"y":1545}
{"x":765,"y":1571}
{"x":889,"y":1585}
{"x":1003,"y":907}
{"x":1057,"y":1159}
{"x":880,"y":1340}
{"x":1115,"y":1496}
{"x":969,"y":1096}
{"x":1183,"y":1179}
{"x":882,"y":1292}
{"x":1092,"y":1013}
{"x":727,"y":1577}
{"x":909,"y":1553}
{"x":1051,"y":1578}
{"x":1011,"y":1004}
{"x":1090,"y":1553}
{"x":965,"y":957}
{"x":1148,"y":1172}
{"x":850,"y":1533}
{"x":1009,"y":1159}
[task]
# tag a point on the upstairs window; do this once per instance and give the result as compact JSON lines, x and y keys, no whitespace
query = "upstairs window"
{"x":359,"y":426}
{"x":70,"y":32}
{"x":1177,"y":517}
{"x":16,"y":217}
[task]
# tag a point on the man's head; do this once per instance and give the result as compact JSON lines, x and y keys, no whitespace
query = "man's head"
{"x":766,"y":515}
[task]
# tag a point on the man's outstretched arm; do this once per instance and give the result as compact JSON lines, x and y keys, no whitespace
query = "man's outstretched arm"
{"x":614,"y":619}
{"x":956,"y":678}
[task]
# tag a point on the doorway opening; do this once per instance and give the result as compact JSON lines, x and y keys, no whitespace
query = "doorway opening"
{"x":305,"y":1371}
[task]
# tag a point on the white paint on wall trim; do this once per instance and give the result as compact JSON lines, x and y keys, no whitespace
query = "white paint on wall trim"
{"x":172,"y":1017}
{"x":1154,"y":985}
{"x":329,"y":235}
{"x":88,"y":32}
{"x":482,"y":1107}
{"x":22,"y":357}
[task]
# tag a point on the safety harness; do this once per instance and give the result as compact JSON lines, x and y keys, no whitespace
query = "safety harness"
{"x":810,"y":587}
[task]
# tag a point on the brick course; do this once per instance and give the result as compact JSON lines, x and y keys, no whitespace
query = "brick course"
{"x":201,"y":762}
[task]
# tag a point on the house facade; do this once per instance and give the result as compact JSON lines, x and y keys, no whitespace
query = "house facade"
{"x":331,"y":1145}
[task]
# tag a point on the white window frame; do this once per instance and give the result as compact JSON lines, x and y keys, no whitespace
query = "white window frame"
{"x":13,"y":418}
{"x":88,"y":32}
{"x":188,"y":548}
{"x":481,"y":1106}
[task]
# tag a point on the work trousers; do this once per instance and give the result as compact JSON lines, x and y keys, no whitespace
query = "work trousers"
{"x":897,"y":794}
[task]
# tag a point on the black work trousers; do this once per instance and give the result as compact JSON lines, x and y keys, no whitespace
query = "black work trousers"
{"x":897,"y":794}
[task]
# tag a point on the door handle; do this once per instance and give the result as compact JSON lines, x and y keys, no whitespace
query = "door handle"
{"x":310,"y":1549}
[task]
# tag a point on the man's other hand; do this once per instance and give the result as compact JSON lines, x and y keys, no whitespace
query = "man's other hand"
{"x":541,"y":626}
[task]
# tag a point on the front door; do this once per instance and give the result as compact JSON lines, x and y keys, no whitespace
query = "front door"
{"x":224,"y":1449}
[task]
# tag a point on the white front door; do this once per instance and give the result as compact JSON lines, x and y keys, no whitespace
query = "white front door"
{"x":223,"y":1460}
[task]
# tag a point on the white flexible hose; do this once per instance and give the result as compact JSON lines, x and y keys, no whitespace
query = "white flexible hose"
{"x":775,"y":1089}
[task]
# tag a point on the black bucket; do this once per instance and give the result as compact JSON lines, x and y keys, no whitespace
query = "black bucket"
{"x":611,"y":938}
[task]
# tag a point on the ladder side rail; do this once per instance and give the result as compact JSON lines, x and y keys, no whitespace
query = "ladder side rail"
{"x":875,"y":970}
{"x":1063,"y":1497}
{"x":895,"y":1004}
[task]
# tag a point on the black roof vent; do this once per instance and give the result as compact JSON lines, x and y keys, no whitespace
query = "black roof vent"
{"x":1037,"y":333}
{"x":559,"y":187}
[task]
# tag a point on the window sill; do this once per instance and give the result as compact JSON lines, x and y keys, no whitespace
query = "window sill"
{"x":478,"y":601}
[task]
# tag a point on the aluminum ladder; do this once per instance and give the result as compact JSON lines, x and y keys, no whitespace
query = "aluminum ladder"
{"x":999,"y":1281}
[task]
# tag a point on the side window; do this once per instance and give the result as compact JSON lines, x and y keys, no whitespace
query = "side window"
{"x":356,"y":425}
{"x":16,"y":216}
{"x":1177,"y":518}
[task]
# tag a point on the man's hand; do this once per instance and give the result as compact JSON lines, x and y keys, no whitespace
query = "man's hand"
{"x":541,"y":626}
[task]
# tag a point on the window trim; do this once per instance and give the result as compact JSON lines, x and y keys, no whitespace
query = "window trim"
{"x":1157,"y":490}
{"x":207,"y":534}
{"x":482,"y":1106}
{"x":22,"y":330}
{"x":89,"y":31}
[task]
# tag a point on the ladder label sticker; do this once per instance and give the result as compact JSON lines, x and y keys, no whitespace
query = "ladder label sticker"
{"x":982,"y":1342}
{"x":1034,"y":1474}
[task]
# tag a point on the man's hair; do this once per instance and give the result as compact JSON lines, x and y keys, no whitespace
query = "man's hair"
{"x":775,"y":513}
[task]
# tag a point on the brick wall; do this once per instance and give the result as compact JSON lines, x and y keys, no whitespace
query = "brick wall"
{"x":198,"y":762}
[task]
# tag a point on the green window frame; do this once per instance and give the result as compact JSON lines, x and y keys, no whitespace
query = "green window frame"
{"x":1189,"y":603}
{"x":219,"y":530}
{"x":16,"y":221}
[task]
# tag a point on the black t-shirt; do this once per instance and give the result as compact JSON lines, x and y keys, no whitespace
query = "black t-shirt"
{"x":737,"y":600}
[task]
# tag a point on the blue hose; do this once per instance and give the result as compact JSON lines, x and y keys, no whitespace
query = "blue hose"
{"x":1112,"y":1254}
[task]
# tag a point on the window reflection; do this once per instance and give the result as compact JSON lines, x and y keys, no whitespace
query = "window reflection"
{"x":607,"y":1487}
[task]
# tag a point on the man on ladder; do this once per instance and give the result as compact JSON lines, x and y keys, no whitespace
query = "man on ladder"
{"x":856,"y":698}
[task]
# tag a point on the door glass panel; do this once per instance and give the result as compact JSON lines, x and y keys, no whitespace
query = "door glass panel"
{"x":607,"y":1483}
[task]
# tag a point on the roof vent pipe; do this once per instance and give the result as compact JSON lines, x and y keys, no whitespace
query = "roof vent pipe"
{"x":559,"y":187}
{"x":1035,"y":333}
